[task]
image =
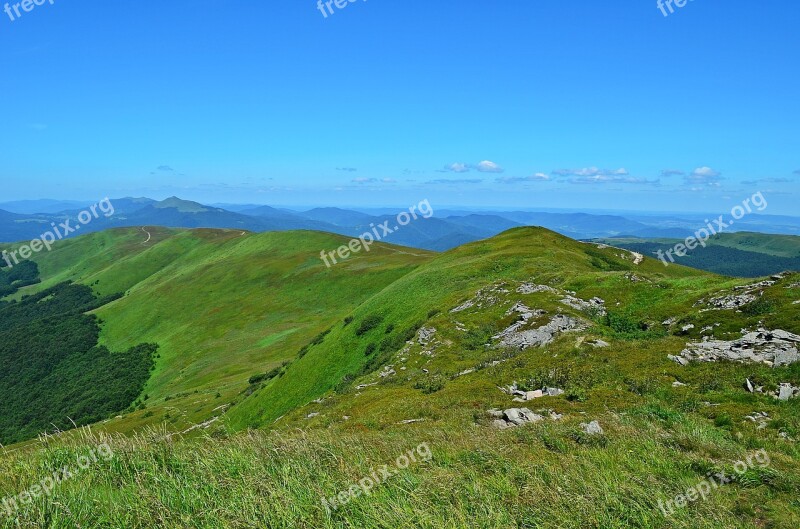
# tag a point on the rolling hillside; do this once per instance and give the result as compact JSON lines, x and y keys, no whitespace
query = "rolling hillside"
{"x":222,"y":305}
{"x":554,"y":382}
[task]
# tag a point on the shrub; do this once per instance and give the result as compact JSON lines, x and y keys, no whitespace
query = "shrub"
{"x":369,"y":323}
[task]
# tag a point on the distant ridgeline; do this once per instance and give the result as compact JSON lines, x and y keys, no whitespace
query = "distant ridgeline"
{"x":718,"y":259}
{"x":53,"y":372}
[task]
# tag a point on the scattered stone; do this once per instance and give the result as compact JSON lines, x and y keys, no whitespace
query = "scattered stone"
{"x":593,"y":428}
{"x":633,"y":278}
{"x":749,"y":386}
{"x":687,"y":328}
{"x":519,"y":416}
{"x":388,"y":371}
{"x":523,"y":339}
{"x":346,"y":417}
{"x":774,"y":348}
{"x":679,"y":360}
{"x":760,"y":418}
{"x":365,"y":386}
{"x":670,"y":321}
{"x":732,"y":301}
{"x":465,"y":372}
{"x":530,"y":288}
{"x":425,"y":335}
{"x":594,"y":305}
{"x":678,"y":384}
{"x":485,"y":297}
{"x":530,"y":395}
{"x":312,"y":415}
{"x":553,"y":392}
{"x":786,"y":391}
{"x":598,"y":343}
{"x":411,"y":421}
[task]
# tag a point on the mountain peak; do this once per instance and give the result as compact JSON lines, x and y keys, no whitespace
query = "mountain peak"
{"x":184,"y":206}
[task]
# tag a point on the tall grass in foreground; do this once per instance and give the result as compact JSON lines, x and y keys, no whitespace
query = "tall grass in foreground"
{"x":547,"y":475}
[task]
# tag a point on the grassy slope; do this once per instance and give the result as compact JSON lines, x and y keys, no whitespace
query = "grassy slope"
{"x":659,"y":440}
{"x":221,"y":304}
{"x":517,"y":254}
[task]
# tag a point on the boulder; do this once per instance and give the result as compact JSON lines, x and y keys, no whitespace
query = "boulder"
{"x":519,"y":416}
{"x":592,"y":428}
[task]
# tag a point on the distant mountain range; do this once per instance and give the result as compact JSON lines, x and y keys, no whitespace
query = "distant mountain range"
{"x":25,"y":220}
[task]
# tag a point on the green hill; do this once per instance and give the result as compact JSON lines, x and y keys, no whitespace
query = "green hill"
{"x":294,"y":382}
{"x":222,"y":305}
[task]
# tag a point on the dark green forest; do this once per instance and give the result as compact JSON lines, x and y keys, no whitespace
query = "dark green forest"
{"x":54,"y":375}
{"x":12,"y":279}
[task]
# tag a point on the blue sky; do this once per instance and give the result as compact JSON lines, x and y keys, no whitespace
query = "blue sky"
{"x":520,"y":103}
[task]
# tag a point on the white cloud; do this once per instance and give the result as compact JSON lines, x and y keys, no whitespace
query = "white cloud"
{"x":672,"y":172}
{"x":364,"y":180}
{"x":538,"y":177}
{"x":612,"y":179}
{"x":704,"y":176}
{"x":457,"y":167}
{"x":487,"y":166}
{"x":458,"y":181}
{"x":589,"y":172}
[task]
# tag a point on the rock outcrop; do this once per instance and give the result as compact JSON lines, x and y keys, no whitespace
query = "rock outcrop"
{"x":520,"y":338}
{"x":775,"y":348}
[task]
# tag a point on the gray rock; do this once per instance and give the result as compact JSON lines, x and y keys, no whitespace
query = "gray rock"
{"x":594,"y":305}
{"x":774,"y":348}
{"x":519,"y":416}
{"x":515,"y":336}
{"x":593,"y":428}
{"x":749,"y":386}
{"x":786,"y":392}
{"x":598,"y":343}
{"x":678,"y":360}
{"x":554,"y":392}
{"x":530,"y":288}
{"x":501,"y":424}
{"x":425,"y":335}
